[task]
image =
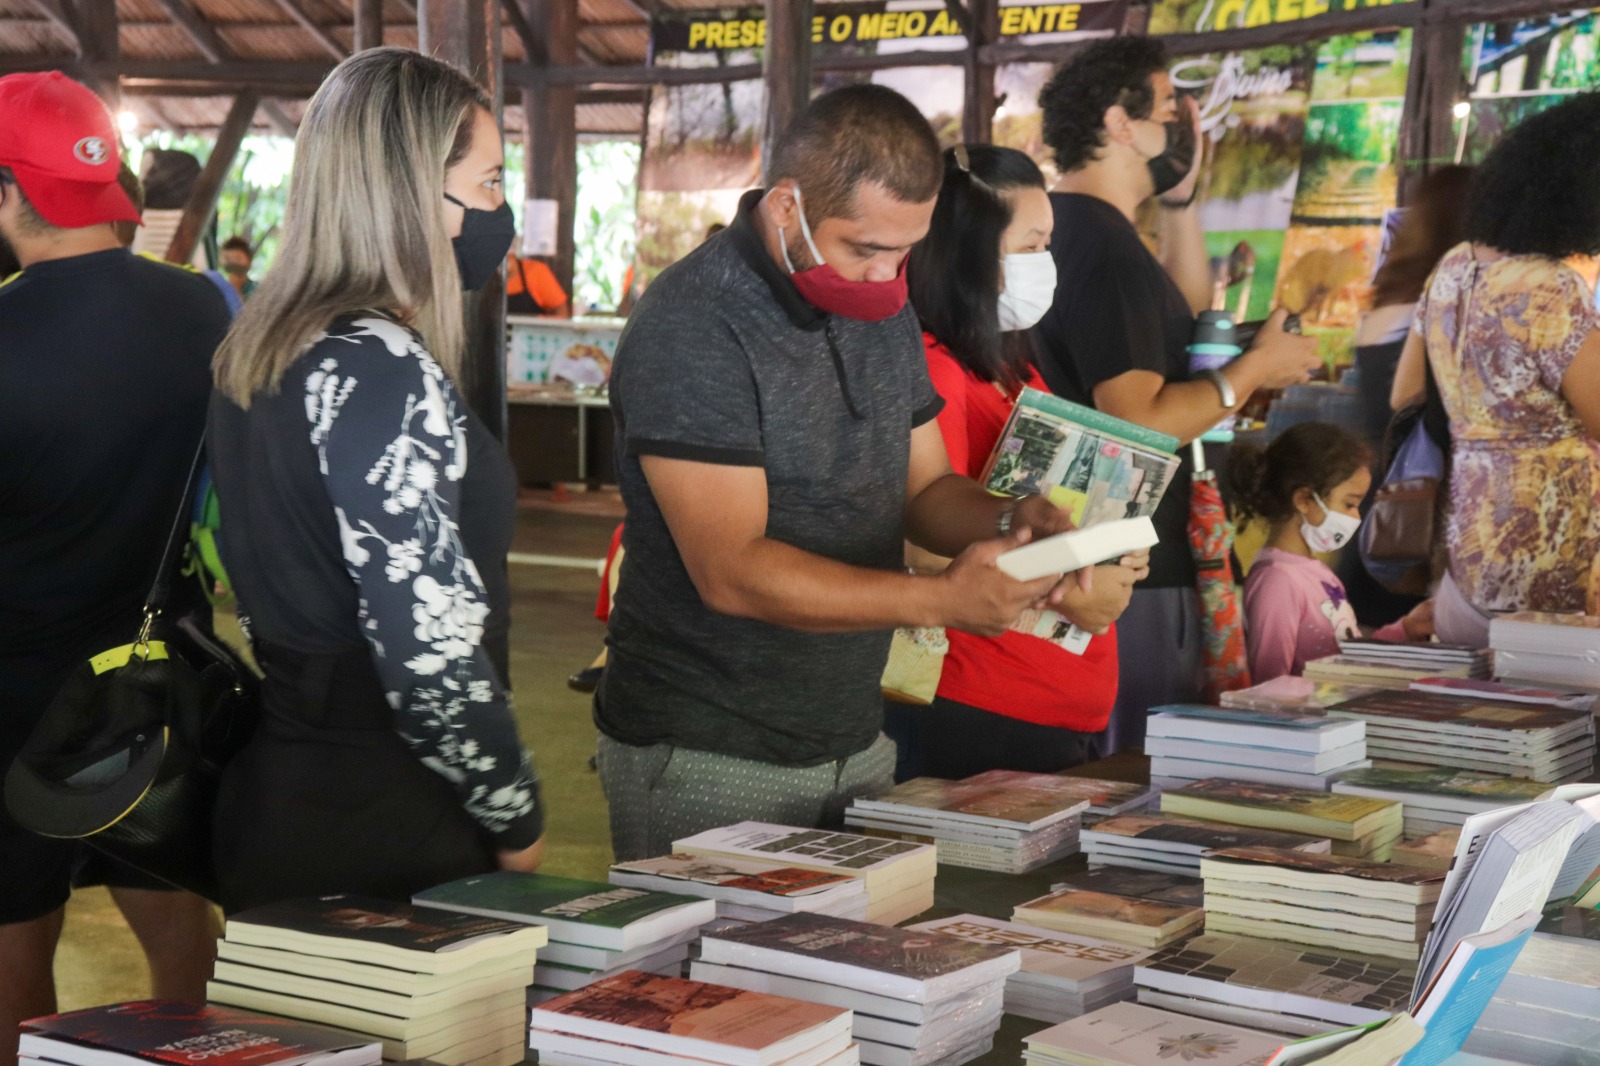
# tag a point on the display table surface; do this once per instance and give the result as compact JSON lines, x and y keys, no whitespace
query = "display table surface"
{"x":556,"y":433}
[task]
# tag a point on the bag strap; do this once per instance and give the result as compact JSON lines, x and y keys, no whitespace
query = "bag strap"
{"x":157,"y":599}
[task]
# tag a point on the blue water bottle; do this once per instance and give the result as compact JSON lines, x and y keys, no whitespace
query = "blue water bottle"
{"x":1215,"y":345}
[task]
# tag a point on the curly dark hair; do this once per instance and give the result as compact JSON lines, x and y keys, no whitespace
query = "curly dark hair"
{"x":1538,"y":190}
{"x":1319,"y":456}
{"x":1074,"y":101}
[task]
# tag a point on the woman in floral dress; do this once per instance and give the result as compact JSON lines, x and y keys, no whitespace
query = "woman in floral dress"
{"x":1512,"y":337}
{"x":367,"y":513}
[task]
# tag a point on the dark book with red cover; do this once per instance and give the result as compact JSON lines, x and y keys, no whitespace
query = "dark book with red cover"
{"x":188,"y":1035}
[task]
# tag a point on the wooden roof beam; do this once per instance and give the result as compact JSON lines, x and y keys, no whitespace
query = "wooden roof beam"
{"x":202,"y":203}
{"x":317,"y":32}
{"x":61,"y":17}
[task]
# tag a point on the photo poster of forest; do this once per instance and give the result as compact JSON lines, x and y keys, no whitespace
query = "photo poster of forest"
{"x":702,"y":143}
{"x":1519,"y":68}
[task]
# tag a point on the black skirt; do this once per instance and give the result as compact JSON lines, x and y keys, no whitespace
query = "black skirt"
{"x":327,"y":798}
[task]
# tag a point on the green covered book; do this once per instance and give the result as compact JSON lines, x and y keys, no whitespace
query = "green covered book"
{"x":589,"y":913}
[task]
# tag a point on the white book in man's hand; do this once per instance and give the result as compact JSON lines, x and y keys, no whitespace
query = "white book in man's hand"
{"x":1074,"y":550}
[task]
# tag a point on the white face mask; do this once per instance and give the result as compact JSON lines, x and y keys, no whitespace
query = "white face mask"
{"x":1030,"y":289}
{"x":1335,"y":531}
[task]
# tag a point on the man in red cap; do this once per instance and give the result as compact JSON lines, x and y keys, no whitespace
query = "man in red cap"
{"x":104,"y":380}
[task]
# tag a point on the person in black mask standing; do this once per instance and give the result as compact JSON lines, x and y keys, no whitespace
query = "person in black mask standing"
{"x":368,"y":512}
{"x":1116,"y":336}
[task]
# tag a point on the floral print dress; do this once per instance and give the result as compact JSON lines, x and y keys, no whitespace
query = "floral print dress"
{"x":1523,"y":520}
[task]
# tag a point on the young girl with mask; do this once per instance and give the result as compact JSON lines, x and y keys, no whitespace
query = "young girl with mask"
{"x":1308,"y":484}
{"x":982,"y":277}
{"x":370,"y":511}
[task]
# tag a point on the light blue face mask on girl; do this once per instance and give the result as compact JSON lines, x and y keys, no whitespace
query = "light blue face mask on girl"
{"x":1334,"y":531}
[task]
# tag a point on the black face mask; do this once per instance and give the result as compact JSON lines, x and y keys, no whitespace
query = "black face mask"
{"x":484,"y":241}
{"x":1169,"y":168}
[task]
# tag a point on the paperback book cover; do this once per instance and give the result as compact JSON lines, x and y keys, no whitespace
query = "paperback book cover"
{"x":1463,"y":714}
{"x":1103,"y":907}
{"x":1496,"y":690}
{"x":1294,"y":693}
{"x":1194,"y":834}
{"x":578,"y":911}
{"x":1456,"y":998}
{"x":917,"y":955}
{"x":188,"y":1035}
{"x":1342,"y":987}
{"x":360,"y":920}
{"x":1282,"y":718}
{"x":768,"y":879}
{"x":1282,"y":807}
{"x":1130,"y":1034}
{"x":1444,"y":781}
{"x":1109,"y":797}
{"x":849,"y":853}
{"x":1006,"y":797}
{"x":638,"y":1003}
{"x":1067,"y":957}
{"x":1382,"y":880}
{"x":1139,"y":884}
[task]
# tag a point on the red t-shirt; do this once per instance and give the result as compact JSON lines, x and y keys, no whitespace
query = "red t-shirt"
{"x":1014,"y":674}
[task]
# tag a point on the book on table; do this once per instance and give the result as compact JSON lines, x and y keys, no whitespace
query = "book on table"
{"x":1349,"y":670}
{"x":1139,"y":884}
{"x":1271,"y":729}
{"x":1440,"y":788}
{"x":1169,"y":774}
{"x":967,"y":1007}
{"x":1298,"y":981}
{"x":1293,"y":693}
{"x":1550,"y":997}
{"x":1373,"y":1044}
{"x":1107,"y":799}
{"x":1473,"y":688}
{"x":1007,"y":799}
{"x":1432,"y":851}
{"x":1130,"y":1034}
{"x":1060,"y":971}
{"x":590,"y":913}
{"x":1343,"y":875}
{"x":1122,"y":919}
{"x":1456,"y":995}
{"x":687,"y":1019}
{"x":1168,"y":843}
{"x":1341,"y":818}
{"x":746,"y":884}
{"x":184,"y":1034}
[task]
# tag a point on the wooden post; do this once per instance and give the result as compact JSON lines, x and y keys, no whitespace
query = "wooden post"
{"x":1433,"y":83}
{"x":467,"y":34}
{"x":550,"y":125}
{"x":99,"y":47}
{"x":369,"y":25}
{"x":786,"y":67}
{"x":983,"y":27}
{"x":202,"y":203}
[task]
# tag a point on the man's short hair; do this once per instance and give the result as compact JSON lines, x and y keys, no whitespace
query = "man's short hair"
{"x":28,"y":218}
{"x":1075,"y":100}
{"x":238,"y":244}
{"x":857,"y":135}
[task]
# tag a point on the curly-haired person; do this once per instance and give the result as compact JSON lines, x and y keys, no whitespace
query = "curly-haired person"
{"x":1117,"y":335}
{"x":1509,"y":328}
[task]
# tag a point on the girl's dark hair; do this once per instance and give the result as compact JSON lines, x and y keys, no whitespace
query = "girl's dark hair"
{"x":1318,"y":456}
{"x":1431,"y":226}
{"x":954,"y":273}
{"x":1538,"y":190}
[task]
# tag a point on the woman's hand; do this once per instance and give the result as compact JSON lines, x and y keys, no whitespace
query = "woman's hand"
{"x":525,"y":861}
{"x":1093,"y":608}
{"x":1419,"y":623}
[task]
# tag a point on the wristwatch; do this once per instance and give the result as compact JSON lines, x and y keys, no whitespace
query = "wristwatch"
{"x":1224,"y":387}
{"x":1002,"y":524}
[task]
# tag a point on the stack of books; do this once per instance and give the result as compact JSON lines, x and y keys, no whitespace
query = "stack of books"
{"x":1107,"y":799}
{"x":1498,"y":736}
{"x":1547,"y":649}
{"x":1131,"y":1034}
{"x":1139,"y":884}
{"x":1375,"y":908}
{"x":1062,"y":975}
{"x":1547,"y":1009}
{"x":642,"y":1019}
{"x":745,"y":890}
{"x":1439,"y":797}
{"x":1004,"y":821}
{"x":424,"y":983}
{"x":1291,"y":693}
{"x":898,"y":874}
{"x":1515,"y":692}
{"x":596,"y":930}
{"x":1167,"y":843}
{"x":1292,"y":989}
{"x":1142,"y":923}
{"x":183,"y":1034}
{"x":919,"y":998}
{"x":1298,"y":748}
{"x":1434,"y":851}
{"x":1359,"y":827}
{"x":1394,"y":666}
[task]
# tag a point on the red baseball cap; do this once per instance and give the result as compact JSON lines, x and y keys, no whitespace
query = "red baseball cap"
{"x":56,"y":137}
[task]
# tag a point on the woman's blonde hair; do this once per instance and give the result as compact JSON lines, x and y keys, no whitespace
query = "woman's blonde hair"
{"x":365,"y":222}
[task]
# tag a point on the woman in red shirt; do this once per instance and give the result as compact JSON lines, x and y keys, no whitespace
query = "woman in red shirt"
{"x":979,"y":280}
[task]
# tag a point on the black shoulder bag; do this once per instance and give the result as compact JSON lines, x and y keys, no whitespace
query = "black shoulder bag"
{"x":129,"y":754}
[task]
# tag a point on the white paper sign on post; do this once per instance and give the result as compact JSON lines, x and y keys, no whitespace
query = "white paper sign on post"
{"x":539,"y":227}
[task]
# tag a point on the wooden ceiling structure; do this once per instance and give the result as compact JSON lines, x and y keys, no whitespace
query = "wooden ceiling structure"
{"x":566,"y":67}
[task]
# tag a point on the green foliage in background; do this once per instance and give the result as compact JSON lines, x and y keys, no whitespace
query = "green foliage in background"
{"x":254,"y":194}
{"x":606,"y":227}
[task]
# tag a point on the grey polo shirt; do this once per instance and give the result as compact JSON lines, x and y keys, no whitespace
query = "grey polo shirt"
{"x":724,"y":362}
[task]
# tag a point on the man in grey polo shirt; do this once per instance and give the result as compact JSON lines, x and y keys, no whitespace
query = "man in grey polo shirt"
{"x":776,"y":429}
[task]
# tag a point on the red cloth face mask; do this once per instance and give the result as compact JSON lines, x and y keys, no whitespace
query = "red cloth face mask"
{"x":827,"y":289}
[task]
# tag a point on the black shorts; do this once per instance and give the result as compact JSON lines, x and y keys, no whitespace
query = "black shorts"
{"x":37,"y":873}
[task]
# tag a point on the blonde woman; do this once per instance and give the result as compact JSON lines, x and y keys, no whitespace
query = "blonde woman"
{"x":368,"y":512}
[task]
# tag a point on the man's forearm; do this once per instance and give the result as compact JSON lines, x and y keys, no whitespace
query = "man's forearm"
{"x":1183,"y":254}
{"x":777,"y":583}
{"x":1186,"y":409}
{"x":952,"y":513}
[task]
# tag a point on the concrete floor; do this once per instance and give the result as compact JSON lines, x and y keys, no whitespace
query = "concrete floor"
{"x":553,"y":633}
